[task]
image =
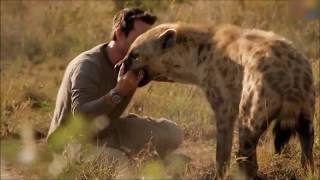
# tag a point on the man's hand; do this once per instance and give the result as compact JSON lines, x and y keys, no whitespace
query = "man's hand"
{"x":127,"y":82}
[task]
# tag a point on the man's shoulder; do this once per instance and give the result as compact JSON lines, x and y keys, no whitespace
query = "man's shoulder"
{"x":94,"y":54}
{"x":95,"y":51}
{"x":92,"y":57}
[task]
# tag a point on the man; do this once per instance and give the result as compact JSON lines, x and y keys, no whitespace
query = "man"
{"x":93,"y":88}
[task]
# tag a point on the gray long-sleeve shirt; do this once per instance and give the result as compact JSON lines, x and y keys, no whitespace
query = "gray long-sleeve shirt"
{"x":88,"y":78}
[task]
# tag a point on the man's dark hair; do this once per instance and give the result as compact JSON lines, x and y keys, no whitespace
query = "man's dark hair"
{"x":125,"y":20}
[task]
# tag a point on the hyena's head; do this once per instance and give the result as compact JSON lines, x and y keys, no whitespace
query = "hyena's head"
{"x":157,"y":53}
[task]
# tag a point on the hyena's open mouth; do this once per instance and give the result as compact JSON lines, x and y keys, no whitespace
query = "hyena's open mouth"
{"x":149,"y":76}
{"x":146,"y":76}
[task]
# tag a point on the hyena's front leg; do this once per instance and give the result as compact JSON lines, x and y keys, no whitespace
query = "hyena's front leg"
{"x":225,"y":115}
{"x":225,"y":118}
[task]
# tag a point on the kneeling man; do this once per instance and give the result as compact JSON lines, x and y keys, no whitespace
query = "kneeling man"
{"x":91,"y":87}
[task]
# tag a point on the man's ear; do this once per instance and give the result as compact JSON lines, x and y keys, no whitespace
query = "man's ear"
{"x":118,"y":33}
{"x":168,"y":38}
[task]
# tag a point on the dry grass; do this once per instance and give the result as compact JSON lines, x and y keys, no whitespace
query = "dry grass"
{"x":39,"y":38}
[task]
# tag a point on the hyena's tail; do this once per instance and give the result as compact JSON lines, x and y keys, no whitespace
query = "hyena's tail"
{"x":281,"y":136}
{"x":295,"y":118}
{"x":285,"y":124}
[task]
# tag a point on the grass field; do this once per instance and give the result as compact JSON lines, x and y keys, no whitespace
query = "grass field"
{"x":39,"y":38}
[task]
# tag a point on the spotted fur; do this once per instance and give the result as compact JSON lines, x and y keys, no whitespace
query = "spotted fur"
{"x":249,"y":75}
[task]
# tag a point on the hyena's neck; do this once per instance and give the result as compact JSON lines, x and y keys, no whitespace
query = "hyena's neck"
{"x":208,"y":52}
{"x":193,"y":45}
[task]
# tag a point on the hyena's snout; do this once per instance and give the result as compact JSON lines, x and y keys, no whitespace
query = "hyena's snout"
{"x":127,"y":62}
{"x":130,"y":63}
{"x":134,"y":66}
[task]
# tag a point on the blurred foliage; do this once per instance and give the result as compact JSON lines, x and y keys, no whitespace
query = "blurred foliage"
{"x":153,"y":170}
{"x":75,"y":130}
{"x":36,"y":31}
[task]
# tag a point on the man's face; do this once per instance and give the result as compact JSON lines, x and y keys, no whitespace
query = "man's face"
{"x":138,"y":28}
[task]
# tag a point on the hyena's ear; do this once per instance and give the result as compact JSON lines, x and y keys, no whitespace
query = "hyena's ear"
{"x":168,"y":38}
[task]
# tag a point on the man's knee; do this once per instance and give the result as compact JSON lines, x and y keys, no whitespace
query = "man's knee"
{"x":171,"y":135}
{"x":176,"y":134}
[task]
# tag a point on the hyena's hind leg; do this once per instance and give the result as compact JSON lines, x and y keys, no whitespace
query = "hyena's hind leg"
{"x":305,"y":132}
{"x":303,"y":127}
{"x":296,"y":117}
{"x":306,"y":136}
{"x":258,"y":108}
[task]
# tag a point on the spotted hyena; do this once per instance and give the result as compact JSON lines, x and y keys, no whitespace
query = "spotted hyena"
{"x":247,"y":74}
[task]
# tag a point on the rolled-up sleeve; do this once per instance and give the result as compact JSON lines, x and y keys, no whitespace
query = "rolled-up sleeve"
{"x":85,"y":96}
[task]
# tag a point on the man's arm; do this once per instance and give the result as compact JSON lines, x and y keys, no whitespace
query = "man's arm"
{"x":85,"y":98}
